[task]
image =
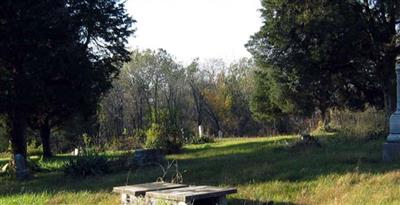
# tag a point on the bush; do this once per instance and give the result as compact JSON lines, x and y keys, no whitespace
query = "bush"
{"x":200,"y":140}
{"x":34,"y":149}
{"x":126,"y":143}
{"x":123,"y":162}
{"x":140,"y":136}
{"x":90,"y":163}
{"x":159,"y":137}
{"x":3,"y":135}
{"x":369,"y":124}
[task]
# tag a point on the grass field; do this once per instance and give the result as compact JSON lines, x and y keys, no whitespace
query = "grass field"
{"x":263,"y":169}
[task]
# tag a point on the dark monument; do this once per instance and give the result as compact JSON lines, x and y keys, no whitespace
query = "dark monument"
{"x":21,"y":170}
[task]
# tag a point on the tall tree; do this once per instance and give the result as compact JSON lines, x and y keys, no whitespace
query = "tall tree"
{"x":320,"y":54}
{"x":57,"y":58}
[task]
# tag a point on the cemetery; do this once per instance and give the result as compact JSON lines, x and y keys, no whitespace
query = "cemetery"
{"x":172,"y":102}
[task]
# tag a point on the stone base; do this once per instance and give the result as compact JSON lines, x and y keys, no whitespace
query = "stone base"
{"x":391,"y":151}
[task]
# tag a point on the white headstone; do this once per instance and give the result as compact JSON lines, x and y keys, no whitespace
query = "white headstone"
{"x":76,"y":152}
{"x":200,"y":131}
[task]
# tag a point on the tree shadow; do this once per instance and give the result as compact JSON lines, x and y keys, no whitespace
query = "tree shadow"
{"x":252,"y":202}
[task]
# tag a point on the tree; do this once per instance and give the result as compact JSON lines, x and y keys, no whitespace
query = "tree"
{"x":317,"y":55}
{"x":57,"y":58}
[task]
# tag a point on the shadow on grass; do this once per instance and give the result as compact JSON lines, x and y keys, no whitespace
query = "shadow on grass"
{"x":251,"y":202}
{"x":231,"y":165}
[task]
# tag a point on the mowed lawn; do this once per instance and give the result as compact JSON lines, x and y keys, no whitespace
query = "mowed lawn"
{"x":263,"y":169}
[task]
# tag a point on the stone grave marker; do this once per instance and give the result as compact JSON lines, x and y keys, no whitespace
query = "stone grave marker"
{"x":22,"y":171}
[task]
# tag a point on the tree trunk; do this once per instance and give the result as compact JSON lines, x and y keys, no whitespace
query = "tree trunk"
{"x":17,"y":126}
{"x":45,"y":136}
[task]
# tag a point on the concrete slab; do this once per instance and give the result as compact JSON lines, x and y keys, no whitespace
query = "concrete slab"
{"x":142,"y":189}
{"x":191,"y":193}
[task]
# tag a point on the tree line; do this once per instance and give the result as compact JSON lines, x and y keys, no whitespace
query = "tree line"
{"x":201,"y":99}
{"x":65,"y":71}
{"x":325,"y":54}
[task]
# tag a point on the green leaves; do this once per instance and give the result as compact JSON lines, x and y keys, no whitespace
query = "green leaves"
{"x":320,"y":54}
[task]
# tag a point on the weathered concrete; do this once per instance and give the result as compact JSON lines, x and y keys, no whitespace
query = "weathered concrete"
{"x":135,"y":194}
{"x":204,"y":195}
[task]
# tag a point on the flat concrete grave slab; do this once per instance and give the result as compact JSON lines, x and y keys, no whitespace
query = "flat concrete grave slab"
{"x":193,"y":195}
{"x":130,"y":195}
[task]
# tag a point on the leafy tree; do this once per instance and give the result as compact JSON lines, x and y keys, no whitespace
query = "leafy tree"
{"x":316,"y":55}
{"x":57,"y":58}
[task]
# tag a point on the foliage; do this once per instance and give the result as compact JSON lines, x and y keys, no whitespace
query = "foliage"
{"x":176,"y":175}
{"x":4,"y":145}
{"x":368,"y":124}
{"x":125,"y":143}
{"x":89,"y":163}
{"x":154,"y":88}
{"x":322,"y":54}
{"x":65,"y":62}
{"x":140,"y":136}
{"x":200,"y":140}
{"x":34,"y":149}
{"x":166,"y":139}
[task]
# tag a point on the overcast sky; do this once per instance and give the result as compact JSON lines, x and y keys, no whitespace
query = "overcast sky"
{"x":195,"y":28}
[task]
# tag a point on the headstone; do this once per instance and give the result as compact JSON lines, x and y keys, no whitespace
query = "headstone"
{"x":76,"y":152}
{"x":200,"y":131}
{"x":22,"y":171}
{"x":391,"y":149}
{"x":220,"y":134}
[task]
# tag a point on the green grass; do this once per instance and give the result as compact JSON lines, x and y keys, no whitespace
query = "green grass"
{"x":263,"y":169}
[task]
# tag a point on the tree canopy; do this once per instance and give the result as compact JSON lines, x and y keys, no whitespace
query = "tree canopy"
{"x":57,"y":58}
{"x":320,"y":54}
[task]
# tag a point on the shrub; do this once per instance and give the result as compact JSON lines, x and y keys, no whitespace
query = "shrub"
{"x":89,"y":163}
{"x":123,"y":162}
{"x":35,"y":150}
{"x":3,"y":135}
{"x":166,"y":139}
{"x":368,"y":124}
{"x":154,"y":136}
{"x":200,"y":140}
{"x":126,"y":142}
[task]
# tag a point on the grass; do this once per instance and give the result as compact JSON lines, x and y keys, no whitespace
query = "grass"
{"x":263,"y":169}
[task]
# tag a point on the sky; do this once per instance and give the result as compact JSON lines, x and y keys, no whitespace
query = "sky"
{"x":188,"y":29}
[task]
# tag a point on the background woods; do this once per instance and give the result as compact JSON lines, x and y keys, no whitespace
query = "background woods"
{"x":314,"y":62}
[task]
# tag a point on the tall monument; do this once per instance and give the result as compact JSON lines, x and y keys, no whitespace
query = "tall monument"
{"x":391,"y":148}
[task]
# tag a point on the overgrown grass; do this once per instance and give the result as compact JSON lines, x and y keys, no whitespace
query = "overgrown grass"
{"x":343,"y":171}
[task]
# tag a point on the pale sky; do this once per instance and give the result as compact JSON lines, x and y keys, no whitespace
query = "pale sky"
{"x":195,"y":28}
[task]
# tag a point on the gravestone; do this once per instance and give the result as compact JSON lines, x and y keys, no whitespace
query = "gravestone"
{"x":391,"y":149}
{"x":220,"y":134}
{"x":22,"y":171}
{"x":148,"y":156}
